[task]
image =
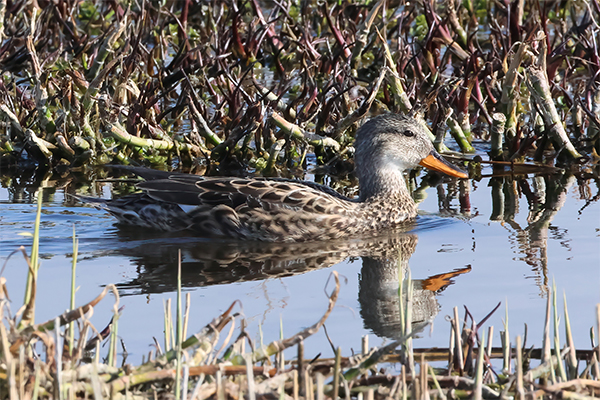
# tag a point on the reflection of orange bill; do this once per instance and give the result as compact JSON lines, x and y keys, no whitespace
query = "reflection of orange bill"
{"x":438,"y":282}
{"x":435,"y":162}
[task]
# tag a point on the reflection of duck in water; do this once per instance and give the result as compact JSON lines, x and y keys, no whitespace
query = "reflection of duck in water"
{"x":378,"y":293}
{"x":208,"y":262}
{"x":283,"y":210}
{"x":205,"y":263}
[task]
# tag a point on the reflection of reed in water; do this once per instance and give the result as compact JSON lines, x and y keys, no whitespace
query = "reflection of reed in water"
{"x":460,"y":190}
{"x":379,"y":295}
{"x":545,"y":196}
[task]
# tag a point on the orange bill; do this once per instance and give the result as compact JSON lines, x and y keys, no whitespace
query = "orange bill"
{"x":435,"y":162}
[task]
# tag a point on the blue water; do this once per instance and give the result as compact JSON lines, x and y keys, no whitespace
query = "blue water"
{"x":513,"y":259}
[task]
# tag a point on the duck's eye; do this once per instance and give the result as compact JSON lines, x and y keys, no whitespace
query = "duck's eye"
{"x":408,"y":133}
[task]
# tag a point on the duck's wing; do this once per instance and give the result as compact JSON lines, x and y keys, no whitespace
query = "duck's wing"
{"x":240,"y":208}
{"x":196,"y":190}
{"x":244,"y":193}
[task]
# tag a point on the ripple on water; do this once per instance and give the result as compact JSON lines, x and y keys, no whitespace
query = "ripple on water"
{"x":429,"y":222}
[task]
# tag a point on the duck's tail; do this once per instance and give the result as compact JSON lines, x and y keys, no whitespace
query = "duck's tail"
{"x":141,"y":210}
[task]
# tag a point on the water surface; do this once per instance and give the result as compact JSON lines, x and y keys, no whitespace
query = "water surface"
{"x":476,"y":243}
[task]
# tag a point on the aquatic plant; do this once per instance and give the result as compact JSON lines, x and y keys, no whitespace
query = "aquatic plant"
{"x":225,"y":86}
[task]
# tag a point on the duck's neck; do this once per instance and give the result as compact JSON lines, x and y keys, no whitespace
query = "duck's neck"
{"x":387,"y":184}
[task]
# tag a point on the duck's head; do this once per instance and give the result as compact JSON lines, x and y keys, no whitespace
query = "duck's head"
{"x":390,"y":144}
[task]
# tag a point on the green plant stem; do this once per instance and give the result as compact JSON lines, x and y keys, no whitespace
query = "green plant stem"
{"x":459,"y":136}
{"x":537,"y":82}
{"x":298,"y":133}
{"x":497,"y":135}
{"x":477,"y":393}
{"x":118,"y":132}
{"x":510,"y":91}
{"x":73,"y":279}
{"x":179,"y":332}
{"x":35,"y":249}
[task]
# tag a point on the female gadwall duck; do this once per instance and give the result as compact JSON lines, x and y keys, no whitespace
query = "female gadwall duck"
{"x":286,"y":210}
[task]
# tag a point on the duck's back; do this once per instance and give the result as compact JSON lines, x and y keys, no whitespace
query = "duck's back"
{"x":278,"y":210}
